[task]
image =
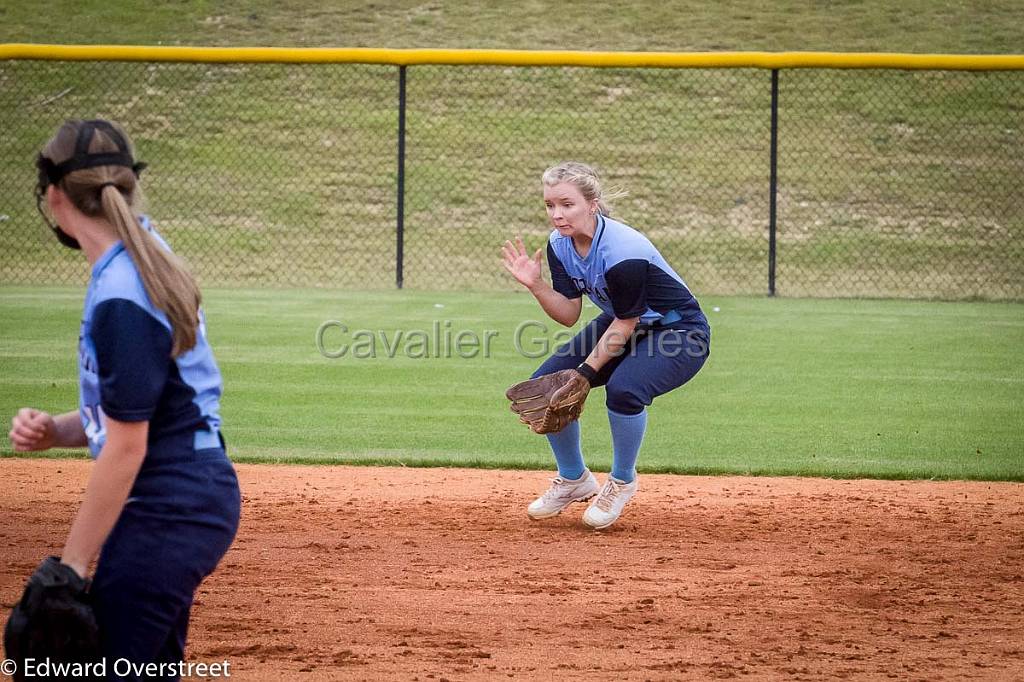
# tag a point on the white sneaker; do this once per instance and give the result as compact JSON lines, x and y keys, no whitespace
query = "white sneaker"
{"x":561,"y":494}
{"x":603,"y":511}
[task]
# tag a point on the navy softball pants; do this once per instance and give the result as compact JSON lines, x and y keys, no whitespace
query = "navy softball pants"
{"x":179,"y":521}
{"x":655,"y":362}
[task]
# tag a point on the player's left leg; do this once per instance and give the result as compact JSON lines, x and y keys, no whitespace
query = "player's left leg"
{"x":173,"y":649}
{"x":655,"y":364}
{"x":144,"y":585}
{"x":170,"y":536}
{"x":565,"y":444}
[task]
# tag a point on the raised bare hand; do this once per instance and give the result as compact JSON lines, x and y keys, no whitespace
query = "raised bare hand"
{"x":525,"y":269}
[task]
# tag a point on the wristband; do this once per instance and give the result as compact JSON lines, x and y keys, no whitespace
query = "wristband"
{"x":588,"y":372}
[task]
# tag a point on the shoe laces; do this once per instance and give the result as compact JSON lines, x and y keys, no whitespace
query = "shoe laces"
{"x":558,"y":486}
{"x":606,"y":498}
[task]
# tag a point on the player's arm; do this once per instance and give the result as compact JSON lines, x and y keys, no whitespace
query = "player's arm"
{"x":109,"y":483}
{"x":133,"y":357}
{"x":33,"y":430}
{"x":527,"y":271}
{"x":627,"y":290}
{"x":612,"y":343}
{"x":564,"y":311}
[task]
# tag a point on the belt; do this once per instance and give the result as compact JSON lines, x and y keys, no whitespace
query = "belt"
{"x":205,"y":455}
{"x":664,"y":321}
{"x":208,"y":439}
{"x":668,"y":318}
{"x":206,"y":444}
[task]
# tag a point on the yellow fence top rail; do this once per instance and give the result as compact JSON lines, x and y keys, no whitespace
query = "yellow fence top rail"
{"x":670,"y":60}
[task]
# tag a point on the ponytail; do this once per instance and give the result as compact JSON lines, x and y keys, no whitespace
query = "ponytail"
{"x":168,"y":282}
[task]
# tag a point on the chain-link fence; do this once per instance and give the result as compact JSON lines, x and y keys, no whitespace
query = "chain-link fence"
{"x":889,"y":183}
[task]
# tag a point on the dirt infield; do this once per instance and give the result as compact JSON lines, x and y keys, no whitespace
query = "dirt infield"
{"x":432,"y":574}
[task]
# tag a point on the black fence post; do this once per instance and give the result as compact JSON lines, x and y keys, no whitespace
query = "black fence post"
{"x":773,"y":182}
{"x":400,"y":218}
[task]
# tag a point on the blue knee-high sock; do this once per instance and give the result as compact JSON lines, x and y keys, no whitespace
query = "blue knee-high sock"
{"x":566,"y":446}
{"x":627,"y":436}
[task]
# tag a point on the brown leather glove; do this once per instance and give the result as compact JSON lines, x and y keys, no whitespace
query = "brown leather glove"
{"x":551,"y":402}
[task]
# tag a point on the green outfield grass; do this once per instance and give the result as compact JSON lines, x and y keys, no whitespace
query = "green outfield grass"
{"x":884,"y":389}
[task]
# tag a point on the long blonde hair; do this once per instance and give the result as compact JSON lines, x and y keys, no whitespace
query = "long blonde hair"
{"x":586,"y":180}
{"x":112,"y":193}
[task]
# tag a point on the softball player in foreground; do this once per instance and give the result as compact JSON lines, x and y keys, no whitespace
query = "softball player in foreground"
{"x":650,"y":338}
{"x":162,"y":503}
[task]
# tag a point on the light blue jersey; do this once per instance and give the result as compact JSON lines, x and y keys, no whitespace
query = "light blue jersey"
{"x":624,"y":275}
{"x":126,"y":371}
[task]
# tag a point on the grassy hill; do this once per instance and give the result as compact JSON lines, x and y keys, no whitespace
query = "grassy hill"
{"x":992,"y":26}
{"x":892,"y":184}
